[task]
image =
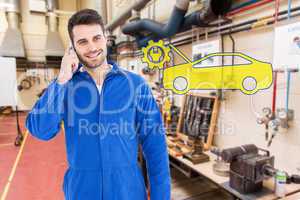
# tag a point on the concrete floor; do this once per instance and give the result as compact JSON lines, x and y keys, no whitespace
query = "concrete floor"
{"x":35,"y":172}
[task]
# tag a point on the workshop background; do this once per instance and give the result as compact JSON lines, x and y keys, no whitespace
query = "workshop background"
{"x":31,"y":169}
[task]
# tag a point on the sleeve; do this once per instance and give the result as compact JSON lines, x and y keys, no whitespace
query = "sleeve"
{"x":43,"y":121}
{"x":151,"y":133}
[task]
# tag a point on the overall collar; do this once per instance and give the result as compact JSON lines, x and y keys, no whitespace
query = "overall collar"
{"x":114,"y":71}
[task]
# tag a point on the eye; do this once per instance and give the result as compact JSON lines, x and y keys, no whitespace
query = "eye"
{"x":98,"y":37}
{"x":82,"y":42}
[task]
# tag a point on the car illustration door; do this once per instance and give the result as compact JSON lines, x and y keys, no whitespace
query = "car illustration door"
{"x":205,"y":75}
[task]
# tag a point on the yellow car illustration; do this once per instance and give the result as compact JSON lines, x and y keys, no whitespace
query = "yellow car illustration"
{"x":249,"y":78}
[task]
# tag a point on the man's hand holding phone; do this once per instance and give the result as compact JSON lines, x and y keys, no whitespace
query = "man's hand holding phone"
{"x":69,"y":65}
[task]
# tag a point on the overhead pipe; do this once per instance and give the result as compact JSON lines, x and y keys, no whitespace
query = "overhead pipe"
{"x":137,"y":6}
{"x":249,"y":25}
{"x":177,"y":23}
{"x":161,"y":30}
{"x":249,"y":6}
{"x":210,"y":11}
{"x":243,"y":4}
{"x":158,"y":30}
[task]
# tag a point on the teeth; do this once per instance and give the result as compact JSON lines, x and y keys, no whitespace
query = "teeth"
{"x":94,"y":55}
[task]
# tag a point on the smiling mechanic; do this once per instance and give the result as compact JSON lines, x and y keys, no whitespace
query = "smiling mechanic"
{"x":107,"y":112}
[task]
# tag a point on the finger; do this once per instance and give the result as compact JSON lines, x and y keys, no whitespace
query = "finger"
{"x":72,"y":52}
{"x":74,"y":66}
{"x":67,"y":50}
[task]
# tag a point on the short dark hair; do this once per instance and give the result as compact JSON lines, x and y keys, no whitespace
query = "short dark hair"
{"x":85,"y":16}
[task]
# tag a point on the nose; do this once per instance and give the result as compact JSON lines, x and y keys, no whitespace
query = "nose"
{"x":92,"y":46}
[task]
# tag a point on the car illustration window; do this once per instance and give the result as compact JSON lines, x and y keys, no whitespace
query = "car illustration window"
{"x":216,"y":61}
{"x":179,"y":56}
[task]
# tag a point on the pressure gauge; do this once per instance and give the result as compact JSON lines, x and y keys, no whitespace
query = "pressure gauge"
{"x":274,"y":124}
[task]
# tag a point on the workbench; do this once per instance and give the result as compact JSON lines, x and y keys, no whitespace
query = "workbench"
{"x":206,"y":170}
{"x":295,"y":196}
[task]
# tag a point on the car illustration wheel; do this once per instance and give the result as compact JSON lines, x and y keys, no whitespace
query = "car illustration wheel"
{"x":249,"y":84}
{"x":180,"y":83}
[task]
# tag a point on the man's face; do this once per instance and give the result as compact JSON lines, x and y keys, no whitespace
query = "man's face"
{"x":90,"y":44}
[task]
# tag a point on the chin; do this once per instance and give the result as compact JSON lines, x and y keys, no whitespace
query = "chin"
{"x":94,"y":64}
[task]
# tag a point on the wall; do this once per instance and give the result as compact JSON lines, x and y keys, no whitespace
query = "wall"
{"x":237,"y":119}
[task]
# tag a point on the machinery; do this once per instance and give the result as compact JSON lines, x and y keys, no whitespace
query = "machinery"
{"x":249,"y":166}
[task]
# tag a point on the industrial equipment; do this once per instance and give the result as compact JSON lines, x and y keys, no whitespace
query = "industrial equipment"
{"x":249,"y":166}
{"x":277,"y":117}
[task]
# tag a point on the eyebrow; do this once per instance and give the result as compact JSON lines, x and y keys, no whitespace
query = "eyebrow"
{"x":98,"y":35}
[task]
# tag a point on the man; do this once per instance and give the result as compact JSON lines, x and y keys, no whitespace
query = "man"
{"x":107,"y":112}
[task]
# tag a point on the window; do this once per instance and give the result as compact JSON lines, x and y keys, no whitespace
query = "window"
{"x":214,"y":61}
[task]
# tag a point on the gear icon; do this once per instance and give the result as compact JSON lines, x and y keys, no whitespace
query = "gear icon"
{"x":155,"y":54}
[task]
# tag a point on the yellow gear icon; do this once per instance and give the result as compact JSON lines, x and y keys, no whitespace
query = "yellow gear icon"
{"x":155,"y":54}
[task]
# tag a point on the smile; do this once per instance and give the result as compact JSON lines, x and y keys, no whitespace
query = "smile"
{"x":94,"y":55}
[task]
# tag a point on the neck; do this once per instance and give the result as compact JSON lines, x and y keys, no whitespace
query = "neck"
{"x":98,"y":73}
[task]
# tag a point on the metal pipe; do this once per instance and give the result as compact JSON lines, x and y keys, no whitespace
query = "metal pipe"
{"x":233,"y":48}
{"x":243,"y":4}
{"x":160,"y":30}
{"x":211,"y":10}
{"x":246,"y":7}
{"x":227,"y":30}
{"x":156,"y":29}
{"x":177,"y":23}
{"x":139,"y":5}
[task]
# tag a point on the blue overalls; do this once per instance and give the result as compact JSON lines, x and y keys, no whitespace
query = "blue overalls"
{"x":102,"y":134}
